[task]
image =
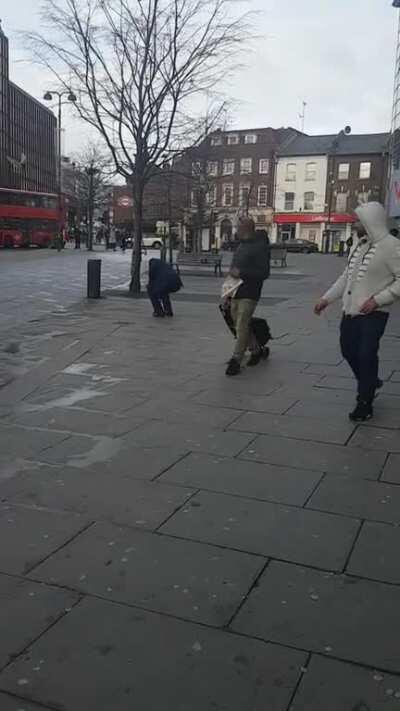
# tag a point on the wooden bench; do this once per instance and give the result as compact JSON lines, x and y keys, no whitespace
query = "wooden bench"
{"x":213,"y":261}
{"x":279,"y":255}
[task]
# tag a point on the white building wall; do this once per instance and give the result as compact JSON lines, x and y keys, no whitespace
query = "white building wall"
{"x":301,"y":185}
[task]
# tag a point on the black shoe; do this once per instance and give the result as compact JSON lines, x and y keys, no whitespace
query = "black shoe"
{"x":254,"y":359}
{"x":156,"y":314}
{"x":233,"y":367}
{"x":169,"y":314}
{"x":363,"y":412}
{"x":265,"y":352}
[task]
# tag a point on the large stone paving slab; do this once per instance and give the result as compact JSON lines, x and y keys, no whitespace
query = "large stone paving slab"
{"x":376,"y":553}
{"x":30,"y":536}
{"x":26,"y":610}
{"x":190,"y":438}
{"x":391,"y":472}
{"x":331,"y":614}
{"x":336,"y":686}
{"x":184,"y":412}
{"x":22,"y":442}
{"x":276,"y":404}
{"x":360,"y":498}
{"x":268,"y":529}
{"x":317,"y":430}
{"x":12,"y":703}
{"x":377,"y":438}
{"x":182,"y":578}
{"x":101,"y":495}
{"x":283,"y":451}
{"x":104,"y":656}
{"x":231,"y":476}
{"x":79,"y":421}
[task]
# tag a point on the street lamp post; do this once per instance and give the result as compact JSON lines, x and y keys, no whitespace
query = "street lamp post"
{"x":48,"y":96}
{"x":91,"y":171}
{"x":331,"y":178}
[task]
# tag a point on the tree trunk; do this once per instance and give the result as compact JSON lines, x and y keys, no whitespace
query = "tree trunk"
{"x":134,"y":286}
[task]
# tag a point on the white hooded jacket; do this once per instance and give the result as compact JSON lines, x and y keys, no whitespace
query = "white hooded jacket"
{"x":373,"y":268}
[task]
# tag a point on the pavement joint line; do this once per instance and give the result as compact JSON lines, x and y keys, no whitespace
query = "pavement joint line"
{"x":261,"y":555}
{"x":245,"y":598}
{"x":290,"y":706}
{"x":315,"y":488}
{"x":25,"y":699}
{"x":353,"y":517}
{"x":309,"y":469}
{"x":353,"y":546}
{"x":249,"y":444}
{"x":170,"y":466}
{"x":330,"y":656}
{"x":85,"y":528}
{"x":178,"y":508}
{"x":248,"y":498}
{"x":59,"y":617}
{"x":351,"y":436}
{"x":382,"y":481}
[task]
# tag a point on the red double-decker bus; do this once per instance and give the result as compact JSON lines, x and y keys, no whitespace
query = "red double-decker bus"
{"x":28,"y":218}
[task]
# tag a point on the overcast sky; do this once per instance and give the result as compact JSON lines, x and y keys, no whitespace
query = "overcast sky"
{"x":337,"y":55}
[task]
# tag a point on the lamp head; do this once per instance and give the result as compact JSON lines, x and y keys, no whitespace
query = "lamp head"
{"x":48,"y":96}
{"x":72,"y":97}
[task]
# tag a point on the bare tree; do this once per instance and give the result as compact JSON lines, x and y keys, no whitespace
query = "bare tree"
{"x":137,"y":67}
{"x":86,"y":181}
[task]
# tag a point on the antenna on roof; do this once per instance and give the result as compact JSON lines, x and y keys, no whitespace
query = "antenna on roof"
{"x":302,"y":116}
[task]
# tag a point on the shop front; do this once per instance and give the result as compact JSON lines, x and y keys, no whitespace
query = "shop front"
{"x":327,"y":232}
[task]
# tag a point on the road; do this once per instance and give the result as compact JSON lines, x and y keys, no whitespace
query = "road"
{"x":37,"y":282}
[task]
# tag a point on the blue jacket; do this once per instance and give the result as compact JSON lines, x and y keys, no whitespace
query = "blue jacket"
{"x":163,"y":278}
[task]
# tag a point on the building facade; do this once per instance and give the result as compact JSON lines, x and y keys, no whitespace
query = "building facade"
{"x":320,"y":180}
{"x":230,"y":174}
{"x":28,"y":133}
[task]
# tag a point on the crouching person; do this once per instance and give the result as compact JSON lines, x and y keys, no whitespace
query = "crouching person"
{"x":163,"y":281}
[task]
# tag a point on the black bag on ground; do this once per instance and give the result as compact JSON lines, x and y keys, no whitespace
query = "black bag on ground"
{"x":259,"y":326}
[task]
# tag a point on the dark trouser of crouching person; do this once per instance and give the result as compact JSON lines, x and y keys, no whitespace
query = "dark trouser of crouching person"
{"x":251,"y":264}
{"x":163,"y":281}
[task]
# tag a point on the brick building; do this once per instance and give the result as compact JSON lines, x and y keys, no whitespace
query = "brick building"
{"x":231,"y":173}
{"x":27,"y":135}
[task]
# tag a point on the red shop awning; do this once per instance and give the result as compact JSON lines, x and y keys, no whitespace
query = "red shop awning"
{"x":289,"y":218}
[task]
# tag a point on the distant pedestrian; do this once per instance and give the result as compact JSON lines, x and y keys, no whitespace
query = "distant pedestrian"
{"x":368,"y":287}
{"x":349,"y":244}
{"x":163,"y":281}
{"x":251,"y":265}
{"x":77,"y":236}
{"x":113,"y":239}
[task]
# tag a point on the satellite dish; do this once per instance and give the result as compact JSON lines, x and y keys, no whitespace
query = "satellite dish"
{"x":347,"y":130}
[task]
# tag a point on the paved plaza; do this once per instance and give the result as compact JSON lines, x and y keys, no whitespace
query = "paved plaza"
{"x":173,"y":540}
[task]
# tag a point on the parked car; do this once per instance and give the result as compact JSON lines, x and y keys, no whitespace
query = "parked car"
{"x":299,"y":245}
{"x":152,"y":242}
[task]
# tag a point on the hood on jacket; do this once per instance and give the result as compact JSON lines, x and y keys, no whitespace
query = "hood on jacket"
{"x":372,"y":216}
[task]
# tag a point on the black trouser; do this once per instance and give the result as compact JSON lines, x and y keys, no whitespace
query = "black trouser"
{"x":161,"y":301}
{"x":359,"y":341}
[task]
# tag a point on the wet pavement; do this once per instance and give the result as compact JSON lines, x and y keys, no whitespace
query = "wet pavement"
{"x":172,"y":539}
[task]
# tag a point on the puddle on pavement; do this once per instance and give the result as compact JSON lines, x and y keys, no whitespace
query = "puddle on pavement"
{"x":9,"y":469}
{"x":66,"y":400}
{"x":103,"y":451}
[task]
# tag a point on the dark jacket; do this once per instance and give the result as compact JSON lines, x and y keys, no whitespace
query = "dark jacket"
{"x":252,"y":258}
{"x":163,"y":279}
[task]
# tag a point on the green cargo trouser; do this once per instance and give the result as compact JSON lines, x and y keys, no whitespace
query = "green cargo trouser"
{"x":242,"y":311}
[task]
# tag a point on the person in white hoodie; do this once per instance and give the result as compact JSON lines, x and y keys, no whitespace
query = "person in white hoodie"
{"x":368,"y":287}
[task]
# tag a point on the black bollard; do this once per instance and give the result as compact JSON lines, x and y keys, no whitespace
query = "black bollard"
{"x":93,"y":278}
